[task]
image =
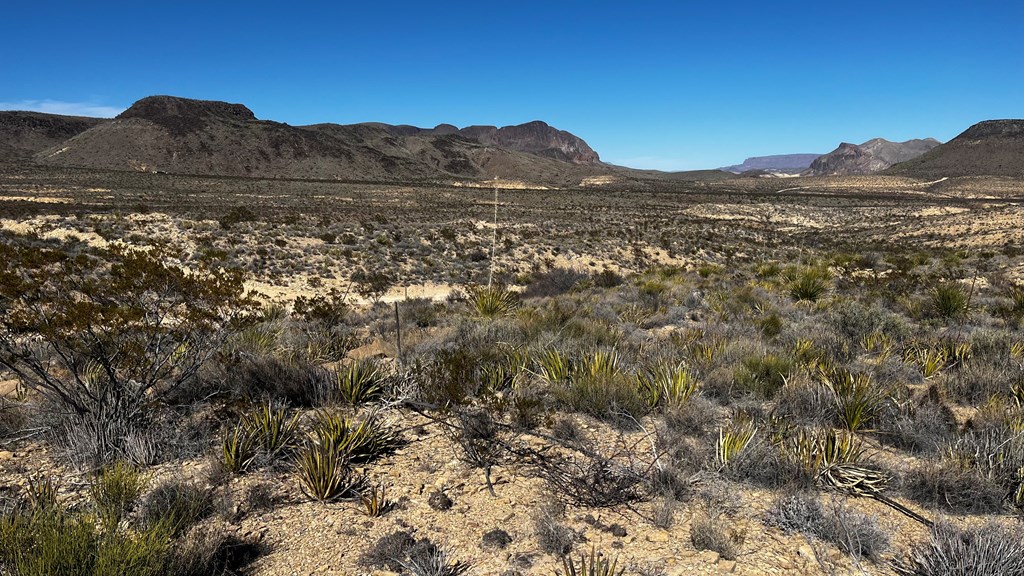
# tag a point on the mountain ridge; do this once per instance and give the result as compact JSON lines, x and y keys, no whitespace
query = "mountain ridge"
{"x":872,"y":156}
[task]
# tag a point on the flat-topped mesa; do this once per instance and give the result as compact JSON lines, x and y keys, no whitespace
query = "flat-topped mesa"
{"x":183,"y":115}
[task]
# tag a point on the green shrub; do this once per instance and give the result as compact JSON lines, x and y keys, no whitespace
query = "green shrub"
{"x":356,"y":441}
{"x":270,"y":429}
{"x":238,"y":449}
{"x":176,"y":506}
{"x":596,"y":565}
{"x":810,"y":285}
{"x":764,"y":375}
{"x":991,"y":549}
{"x":115,"y":491}
{"x":324,"y":474}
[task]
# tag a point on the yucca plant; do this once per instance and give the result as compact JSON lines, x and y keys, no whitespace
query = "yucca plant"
{"x":667,"y":385}
{"x":375,"y":501}
{"x":238,"y":449}
{"x":555,"y":367}
{"x":41,"y":492}
{"x":879,"y":344}
{"x":704,"y":352}
{"x":603,"y":363}
{"x":595,"y":565}
{"x":324,"y":473}
{"x":858,"y":400}
{"x":358,"y":441}
{"x":493,"y":301}
{"x":270,"y":429}
{"x":931,"y":360}
{"x":360,"y":382}
{"x":809,"y":286}
{"x":1016,"y":295}
{"x":818,"y":450}
{"x":734,"y":438}
{"x":949,"y":300}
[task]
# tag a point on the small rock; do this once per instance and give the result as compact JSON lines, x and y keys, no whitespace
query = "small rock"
{"x":726,"y":566}
{"x":659,"y":536}
{"x":5,"y":455}
{"x":617,"y":530}
{"x":708,"y":557}
{"x":440,"y":501}
{"x":806,"y":552}
{"x":496,"y":539}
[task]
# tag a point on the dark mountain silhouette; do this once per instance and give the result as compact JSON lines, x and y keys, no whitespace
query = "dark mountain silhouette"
{"x":788,"y":163}
{"x":533,"y":137}
{"x":872,"y":156}
{"x":179,"y":135}
{"x":23,"y":134}
{"x":990,"y":148}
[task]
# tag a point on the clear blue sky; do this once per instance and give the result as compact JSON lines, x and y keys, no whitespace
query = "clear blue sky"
{"x":669,"y":85}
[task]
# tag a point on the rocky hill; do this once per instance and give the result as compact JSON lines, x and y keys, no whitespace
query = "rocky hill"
{"x":787,"y":163}
{"x":872,"y":156}
{"x":178,"y":135}
{"x":533,"y":137}
{"x":23,"y":134}
{"x":990,"y":148}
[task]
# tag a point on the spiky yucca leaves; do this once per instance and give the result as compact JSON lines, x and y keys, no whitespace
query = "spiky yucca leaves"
{"x":270,"y":429}
{"x":810,"y":285}
{"x":595,"y":565}
{"x":949,"y":300}
{"x":667,"y":385}
{"x":360,"y":382}
{"x":555,"y":367}
{"x":878,"y":344}
{"x":375,"y":501}
{"x":324,"y":473}
{"x":493,"y":301}
{"x":238,"y":449}
{"x":734,"y":438}
{"x":602,"y":363}
{"x":858,"y":399}
{"x":41,"y":492}
{"x":359,"y":441}
{"x":817,"y":450}
{"x":930,"y":360}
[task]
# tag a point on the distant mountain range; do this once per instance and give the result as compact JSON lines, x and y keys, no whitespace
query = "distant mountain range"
{"x":786,"y":163}
{"x":872,"y":156}
{"x":184,"y":136}
{"x":990,"y":148}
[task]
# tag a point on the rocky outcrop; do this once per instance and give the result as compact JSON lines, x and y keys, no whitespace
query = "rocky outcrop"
{"x":872,"y":156}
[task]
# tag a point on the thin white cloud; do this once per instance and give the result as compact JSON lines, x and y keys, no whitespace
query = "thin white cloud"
{"x":67,"y":108}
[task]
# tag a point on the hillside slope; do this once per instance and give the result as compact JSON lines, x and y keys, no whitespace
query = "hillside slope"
{"x":990,"y":148}
{"x":23,"y":134}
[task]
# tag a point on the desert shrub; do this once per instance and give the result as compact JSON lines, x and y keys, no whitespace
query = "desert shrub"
{"x":293,"y":382}
{"x":858,"y":400}
{"x":991,"y":549}
{"x":665,"y":385}
{"x":692,"y":418}
{"x":765,"y":374}
{"x":553,"y":536}
{"x":427,"y":559}
{"x":481,"y":440}
{"x":805,"y":401}
{"x":372,"y":284}
{"x":176,"y":505}
{"x":852,"y":532}
{"x":607,"y":278}
{"x":358,"y":441}
{"x":328,"y":309}
{"x":115,"y":491}
{"x":105,"y":336}
{"x":949,"y":300}
{"x":495,"y":539}
{"x":923,"y":426}
{"x":375,"y":501}
{"x":554,"y":282}
{"x":212,"y":550}
{"x":402,"y":552}
{"x":237,"y":449}
{"x":713,"y":532}
{"x":951,"y":487}
{"x":854,"y":321}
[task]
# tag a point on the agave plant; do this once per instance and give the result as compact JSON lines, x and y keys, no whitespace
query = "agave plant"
{"x":809,"y":286}
{"x":595,"y":565}
{"x":819,"y":450}
{"x":238,"y":449}
{"x":324,"y":474}
{"x":269,"y":427}
{"x":358,"y":441}
{"x":361,"y":382}
{"x":375,"y":501}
